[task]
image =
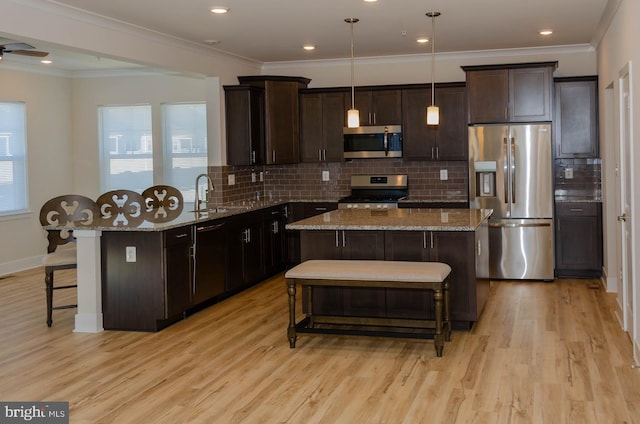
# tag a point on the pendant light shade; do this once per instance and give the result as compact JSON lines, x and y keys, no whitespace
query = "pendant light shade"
{"x":433,"y":111}
{"x":353,"y":114}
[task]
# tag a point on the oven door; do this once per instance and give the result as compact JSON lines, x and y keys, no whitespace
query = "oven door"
{"x":373,"y":142}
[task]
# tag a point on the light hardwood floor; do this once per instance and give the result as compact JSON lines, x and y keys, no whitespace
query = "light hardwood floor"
{"x":541,"y":353}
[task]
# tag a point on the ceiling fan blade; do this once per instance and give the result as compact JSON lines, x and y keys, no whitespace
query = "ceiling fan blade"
{"x":32,"y":53}
{"x":10,"y":47}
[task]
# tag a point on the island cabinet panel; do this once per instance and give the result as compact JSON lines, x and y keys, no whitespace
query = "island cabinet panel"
{"x":134,"y":293}
{"x":179,"y":261}
{"x":446,"y":141}
{"x":337,"y":244}
{"x":275,"y":242}
{"x":452,"y":248}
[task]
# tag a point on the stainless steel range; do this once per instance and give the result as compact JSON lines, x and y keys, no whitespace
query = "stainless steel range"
{"x":375,"y":192}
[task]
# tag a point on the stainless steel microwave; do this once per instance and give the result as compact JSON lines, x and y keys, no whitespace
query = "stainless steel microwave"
{"x":383,"y":141}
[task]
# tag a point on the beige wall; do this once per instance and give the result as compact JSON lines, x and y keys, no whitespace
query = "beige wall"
{"x":618,"y":48}
{"x":49,"y":156}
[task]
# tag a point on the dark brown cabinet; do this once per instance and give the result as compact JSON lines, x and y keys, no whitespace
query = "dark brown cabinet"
{"x":453,"y":248}
{"x":244,"y":114}
{"x":377,"y":106}
{"x":578,"y":239}
{"x":510,"y":93}
{"x":275,"y":241}
{"x":446,"y":141}
{"x":245,"y":255}
{"x":209,"y":264}
{"x":150,"y":290}
{"x":322,"y":120}
{"x":262,"y":116}
{"x":576,"y":117}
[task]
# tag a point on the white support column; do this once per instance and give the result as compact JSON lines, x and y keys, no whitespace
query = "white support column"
{"x":89,"y":316}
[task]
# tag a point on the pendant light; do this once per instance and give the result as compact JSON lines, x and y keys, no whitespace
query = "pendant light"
{"x":433,"y":111}
{"x":353,"y":114}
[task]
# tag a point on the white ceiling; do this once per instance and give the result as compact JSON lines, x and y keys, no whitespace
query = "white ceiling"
{"x":276,"y":30}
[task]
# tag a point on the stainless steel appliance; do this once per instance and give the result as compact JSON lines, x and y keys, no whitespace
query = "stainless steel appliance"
{"x":373,"y":142}
{"x":375,"y":192}
{"x":510,"y":171}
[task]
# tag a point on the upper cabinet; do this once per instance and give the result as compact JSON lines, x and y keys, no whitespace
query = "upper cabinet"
{"x":377,"y":106}
{"x":510,"y":93}
{"x":576,"y":117}
{"x":278,"y":127}
{"x":446,"y":141}
{"x":322,"y":119}
{"x":244,"y":110}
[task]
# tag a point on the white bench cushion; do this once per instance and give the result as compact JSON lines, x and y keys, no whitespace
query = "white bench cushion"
{"x":419,"y":272}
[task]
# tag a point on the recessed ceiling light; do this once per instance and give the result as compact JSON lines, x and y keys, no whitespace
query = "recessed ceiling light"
{"x":422,"y":40}
{"x":219,"y":10}
{"x":46,"y":61}
{"x":212,"y":42}
{"x":370,"y":1}
{"x":309,"y":47}
{"x":546,"y":32}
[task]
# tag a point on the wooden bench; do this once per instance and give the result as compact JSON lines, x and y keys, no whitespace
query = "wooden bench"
{"x":371,"y":274}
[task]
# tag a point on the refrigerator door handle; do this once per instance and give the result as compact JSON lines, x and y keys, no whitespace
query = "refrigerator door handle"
{"x":513,"y":170}
{"x":505,"y":171}
{"x":518,"y":225}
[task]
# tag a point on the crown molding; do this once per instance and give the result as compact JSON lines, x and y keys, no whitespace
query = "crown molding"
{"x":419,"y":58}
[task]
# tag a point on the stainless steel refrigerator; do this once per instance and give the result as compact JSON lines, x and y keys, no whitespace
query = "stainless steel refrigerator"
{"x":510,"y":171}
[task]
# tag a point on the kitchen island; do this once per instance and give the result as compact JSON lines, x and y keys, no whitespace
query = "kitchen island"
{"x":458,"y":237}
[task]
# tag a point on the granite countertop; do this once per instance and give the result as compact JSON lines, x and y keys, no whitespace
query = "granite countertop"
{"x":396,"y":219}
{"x":577,"y":199}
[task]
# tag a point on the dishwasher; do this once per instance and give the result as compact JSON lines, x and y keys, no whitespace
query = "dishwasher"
{"x":209,"y":261}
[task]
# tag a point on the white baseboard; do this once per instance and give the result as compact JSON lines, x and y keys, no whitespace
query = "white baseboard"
{"x":11,"y":267}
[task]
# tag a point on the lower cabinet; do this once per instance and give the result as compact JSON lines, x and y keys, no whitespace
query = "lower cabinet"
{"x":245,"y":256}
{"x":151,"y":290}
{"x":460,"y":249}
{"x":275,"y":240}
{"x":578,"y":239}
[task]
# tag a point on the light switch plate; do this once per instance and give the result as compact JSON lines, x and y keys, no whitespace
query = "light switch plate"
{"x":232,"y":179}
{"x":444,"y":175}
{"x":325,"y":175}
{"x":253,"y":177}
{"x":261,"y":176}
{"x":130,"y":254}
{"x":568,"y":173}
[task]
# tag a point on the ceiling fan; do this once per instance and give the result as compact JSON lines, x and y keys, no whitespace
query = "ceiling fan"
{"x":23,"y":49}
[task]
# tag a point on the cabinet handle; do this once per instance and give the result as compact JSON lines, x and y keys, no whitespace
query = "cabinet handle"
{"x":437,"y":152}
{"x":506,"y":112}
{"x":286,"y":211}
{"x":343,"y":241}
{"x":181,"y":235}
{"x":253,"y":156}
{"x":274,"y":227}
{"x":432,"y":157}
{"x":374,"y":118}
{"x":576,"y":209}
{"x":318,"y":209}
{"x":337,"y":240}
{"x":319,"y":154}
{"x":273,"y":156}
{"x":479,"y":248}
{"x":324,"y":154}
{"x":209,"y":228}
{"x":431,"y":239}
{"x":424,"y":239}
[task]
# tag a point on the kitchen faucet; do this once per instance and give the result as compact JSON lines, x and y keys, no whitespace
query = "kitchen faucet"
{"x":209,"y":189}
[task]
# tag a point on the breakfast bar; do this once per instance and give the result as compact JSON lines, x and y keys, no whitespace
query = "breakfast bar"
{"x":457,"y":237}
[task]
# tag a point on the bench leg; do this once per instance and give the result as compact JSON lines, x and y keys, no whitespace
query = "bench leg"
{"x":447,"y":318}
{"x":291,"y":330}
{"x":438,"y":338}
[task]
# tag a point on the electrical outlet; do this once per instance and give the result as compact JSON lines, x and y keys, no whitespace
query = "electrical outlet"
{"x":232,"y":179}
{"x":325,"y":175}
{"x":261,"y":176}
{"x":130,"y":253}
{"x":444,"y":175}
{"x":568,"y":173}
{"x":253,"y":177}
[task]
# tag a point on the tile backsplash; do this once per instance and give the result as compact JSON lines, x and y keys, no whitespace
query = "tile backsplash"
{"x":577,"y":177}
{"x":303,"y":181}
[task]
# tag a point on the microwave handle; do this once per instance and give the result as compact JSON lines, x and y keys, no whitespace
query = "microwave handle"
{"x":386,"y":141}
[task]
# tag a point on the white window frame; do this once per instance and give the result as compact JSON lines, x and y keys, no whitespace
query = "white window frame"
{"x":17,"y":185}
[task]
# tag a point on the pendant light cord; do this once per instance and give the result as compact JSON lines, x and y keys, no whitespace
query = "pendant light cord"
{"x":352,"y":72}
{"x":433,"y":58}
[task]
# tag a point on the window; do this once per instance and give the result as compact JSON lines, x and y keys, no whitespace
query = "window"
{"x":185,"y":145}
{"x":126,"y":158}
{"x":13,"y":158}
